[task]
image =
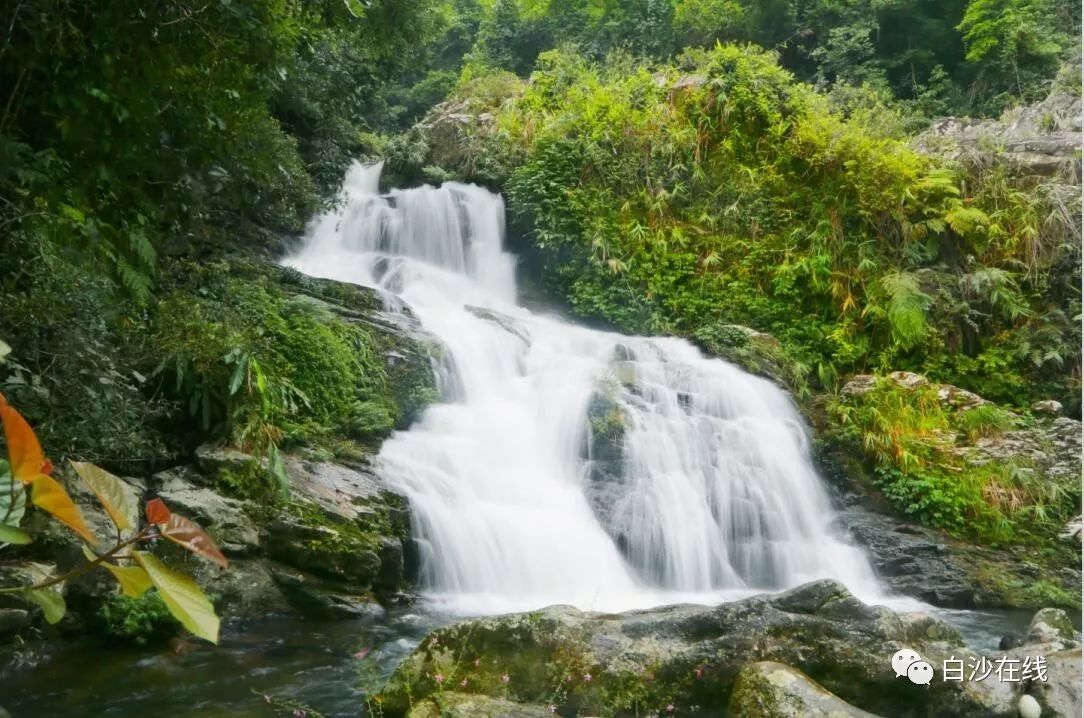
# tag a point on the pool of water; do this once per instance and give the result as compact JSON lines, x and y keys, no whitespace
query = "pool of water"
{"x":313,"y":664}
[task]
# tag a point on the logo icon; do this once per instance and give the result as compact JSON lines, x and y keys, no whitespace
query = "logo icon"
{"x":907,"y":663}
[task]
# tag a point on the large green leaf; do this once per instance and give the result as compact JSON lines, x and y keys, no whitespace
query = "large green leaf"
{"x":109,"y":490}
{"x":11,"y":534}
{"x":134,"y":580}
{"x":182,"y":597}
{"x":49,"y":599}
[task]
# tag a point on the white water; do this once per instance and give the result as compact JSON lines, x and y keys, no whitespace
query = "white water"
{"x":717,"y":497}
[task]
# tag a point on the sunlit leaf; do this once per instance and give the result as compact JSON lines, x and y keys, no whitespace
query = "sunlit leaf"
{"x":188,"y":534}
{"x":134,"y":580}
{"x":49,"y":600}
{"x":109,"y":490}
{"x":47,"y":494}
{"x":24,"y":451}
{"x":157,"y":511}
{"x":13,"y":535}
{"x":182,"y":597}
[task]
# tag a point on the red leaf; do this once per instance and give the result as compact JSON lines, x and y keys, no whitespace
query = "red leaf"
{"x":157,"y":511}
{"x":24,"y":452}
{"x":187,"y":533}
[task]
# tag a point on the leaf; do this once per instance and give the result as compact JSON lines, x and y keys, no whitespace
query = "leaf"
{"x":13,"y":535}
{"x":134,"y":580}
{"x":48,"y":495}
{"x":157,"y":511}
{"x":187,"y":533}
{"x":49,"y":600}
{"x":12,"y":497}
{"x":5,"y":349}
{"x":24,"y":451}
{"x":109,"y":490}
{"x":182,"y":597}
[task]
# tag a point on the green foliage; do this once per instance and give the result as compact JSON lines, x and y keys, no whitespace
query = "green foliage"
{"x":721,"y":191}
{"x":259,"y":368}
{"x":918,"y":447}
{"x":141,"y":621}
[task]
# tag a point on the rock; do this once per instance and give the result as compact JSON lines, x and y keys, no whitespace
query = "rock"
{"x":756,"y":352}
{"x":859,"y":384}
{"x":459,"y":705}
{"x":1048,"y":407}
{"x":13,"y":620}
{"x":245,"y":590}
{"x":1028,"y":707}
{"x":957,"y":398}
{"x":505,"y":322}
{"x":314,"y":543}
{"x":1073,"y":529}
{"x":339,"y":490}
{"x":318,"y":599}
{"x":687,"y":656}
{"x":908,"y":379}
{"x":1061,"y":692}
{"x":225,"y":519}
{"x":213,"y":459}
{"x":1042,"y":139}
{"x":773,"y":690}
{"x":1051,"y":625}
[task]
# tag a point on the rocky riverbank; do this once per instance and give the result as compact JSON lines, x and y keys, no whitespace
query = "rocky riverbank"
{"x":814,"y":650}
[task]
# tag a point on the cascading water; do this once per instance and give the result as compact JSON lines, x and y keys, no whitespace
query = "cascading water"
{"x":572,"y":465}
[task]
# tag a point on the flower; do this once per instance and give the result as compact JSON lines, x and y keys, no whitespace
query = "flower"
{"x":505,"y":678}
{"x":587,"y":677}
{"x":669,"y":707}
{"x":439,"y":678}
{"x":477,"y":662}
{"x":363,"y":653}
{"x":699,"y":671}
{"x":463,"y":683}
{"x":553,"y":708}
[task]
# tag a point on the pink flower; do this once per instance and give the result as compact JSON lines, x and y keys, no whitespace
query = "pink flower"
{"x":463,"y":683}
{"x":699,"y":671}
{"x":553,"y":708}
{"x":669,"y":707}
{"x":439,"y":678}
{"x":505,"y":678}
{"x":363,"y":653}
{"x":587,"y":677}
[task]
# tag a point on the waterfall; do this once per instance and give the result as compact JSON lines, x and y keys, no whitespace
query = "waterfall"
{"x":572,"y":465}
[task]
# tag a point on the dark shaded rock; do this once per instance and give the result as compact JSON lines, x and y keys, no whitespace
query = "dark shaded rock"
{"x":317,"y":598}
{"x":774,"y":690}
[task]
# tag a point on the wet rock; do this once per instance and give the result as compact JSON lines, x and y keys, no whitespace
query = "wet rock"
{"x":316,"y":598}
{"x":1050,"y":625}
{"x":773,"y":690}
{"x":505,"y":322}
{"x":460,"y":705}
{"x":244,"y":590}
{"x":687,"y":656}
{"x":756,"y":352}
{"x":225,"y":519}
{"x":334,"y":550}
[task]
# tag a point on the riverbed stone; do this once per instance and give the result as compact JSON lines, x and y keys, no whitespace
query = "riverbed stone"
{"x":460,"y":705}
{"x":688,"y":657}
{"x":773,"y":690}
{"x":1050,"y":625}
{"x":1060,"y":694}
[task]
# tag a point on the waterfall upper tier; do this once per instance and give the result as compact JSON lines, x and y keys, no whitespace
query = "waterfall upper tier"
{"x":706,"y":490}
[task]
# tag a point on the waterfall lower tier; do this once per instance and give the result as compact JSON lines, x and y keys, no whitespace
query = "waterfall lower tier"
{"x":571,"y":465}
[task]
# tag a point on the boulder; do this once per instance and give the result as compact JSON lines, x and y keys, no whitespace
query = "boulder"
{"x":460,"y":705}
{"x":1051,"y":625}
{"x":772,"y":690}
{"x":687,"y":657}
{"x":225,"y":519}
{"x":1060,"y":693}
{"x":1048,"y":407}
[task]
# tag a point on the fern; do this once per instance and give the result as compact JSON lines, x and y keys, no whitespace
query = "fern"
{"x":907,"y":306}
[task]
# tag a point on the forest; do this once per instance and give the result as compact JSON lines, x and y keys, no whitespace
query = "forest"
{"x":774,"y":181}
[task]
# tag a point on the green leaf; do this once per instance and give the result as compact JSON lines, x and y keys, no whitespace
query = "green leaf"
{"x":49,"y":600}
{"x":109,"y":490}
{"x":12,"y":497}
{"x":182,"y":597}
{"x":134,"y":580}
{"x":13,"y":535}
{"x":4,"y":350}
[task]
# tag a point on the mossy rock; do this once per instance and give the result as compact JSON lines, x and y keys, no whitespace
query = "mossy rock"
{"x":756,"y":352}
{"x":774,"y":690}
